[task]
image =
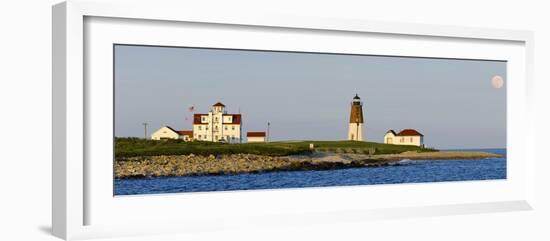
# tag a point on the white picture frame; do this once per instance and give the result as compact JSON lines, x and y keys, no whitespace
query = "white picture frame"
{"x":76,"y":199}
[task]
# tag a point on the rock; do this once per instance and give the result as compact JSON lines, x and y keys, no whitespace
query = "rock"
{"x":186,"y":165}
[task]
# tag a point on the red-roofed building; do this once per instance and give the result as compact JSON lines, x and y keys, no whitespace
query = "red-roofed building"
{"x":410,"y":137}
{"x":186,"y":135}
{"x":255,"y":136}
{"x":217,"y":125}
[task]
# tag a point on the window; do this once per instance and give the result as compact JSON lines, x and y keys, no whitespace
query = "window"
{"x":200,"y":128}
{"x":402,"y":139}
{"x":203,"y":118}
{"x":232,"y":127}
{"x":411,"y":139}
{"x":206,"y":127}
{"x":225,"y":128}
{"x":200,"y":136}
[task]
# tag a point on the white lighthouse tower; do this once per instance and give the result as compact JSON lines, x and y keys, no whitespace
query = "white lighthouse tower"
{"x":355,"y":132}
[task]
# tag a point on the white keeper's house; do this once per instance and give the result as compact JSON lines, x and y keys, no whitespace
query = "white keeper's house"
{"x":409,"y":137}
{"x":217,"y":125}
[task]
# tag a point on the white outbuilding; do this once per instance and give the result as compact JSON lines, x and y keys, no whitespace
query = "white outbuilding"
{"x":255,"y":136}
{"x":167,"y":132}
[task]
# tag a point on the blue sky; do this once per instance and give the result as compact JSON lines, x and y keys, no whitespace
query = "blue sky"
{"x":307,"y":95}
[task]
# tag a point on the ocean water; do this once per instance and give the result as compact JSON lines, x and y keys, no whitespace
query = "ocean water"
{"x":418,"y":171}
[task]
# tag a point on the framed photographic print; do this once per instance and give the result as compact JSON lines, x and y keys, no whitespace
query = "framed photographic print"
{"x":291,"y":125}
{"x":205,"y":122}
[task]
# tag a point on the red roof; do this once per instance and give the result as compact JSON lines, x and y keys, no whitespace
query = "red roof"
{"x":185,"y":133}
{"x":255,"y":134}
{"x":235,"y":120}
{"x":197,"y":119}
{"x":409,"y":132}
{"x":219,"y":104}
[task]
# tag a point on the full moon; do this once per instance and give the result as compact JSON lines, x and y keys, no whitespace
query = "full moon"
{"x":497,"y":82}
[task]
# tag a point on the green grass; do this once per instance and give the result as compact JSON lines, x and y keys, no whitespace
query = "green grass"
{"x":363,"y":147}
{"x":131,"y":147}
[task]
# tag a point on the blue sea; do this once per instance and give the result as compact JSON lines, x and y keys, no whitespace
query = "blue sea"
{"x":417,"y":171}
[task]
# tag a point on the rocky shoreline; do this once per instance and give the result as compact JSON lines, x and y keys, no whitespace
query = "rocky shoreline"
{"x":195,"y":165}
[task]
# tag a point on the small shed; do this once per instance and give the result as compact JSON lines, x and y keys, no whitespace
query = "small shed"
{"x":255,"y":136}
{"x":186,"y":135}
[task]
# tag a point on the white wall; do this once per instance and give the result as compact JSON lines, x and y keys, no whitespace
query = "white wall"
{"x":355,"y":132}
{"x":255,"y":139}
{"x":164,"y":132}
{"x":25,"y":101}
{"x":229,"y":132}
{"x":408,"y":140}
{"x":389,"y":138}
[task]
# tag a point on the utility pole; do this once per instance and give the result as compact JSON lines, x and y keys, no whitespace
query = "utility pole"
{"x":268,"y":124}
{"x":145,"y":128}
